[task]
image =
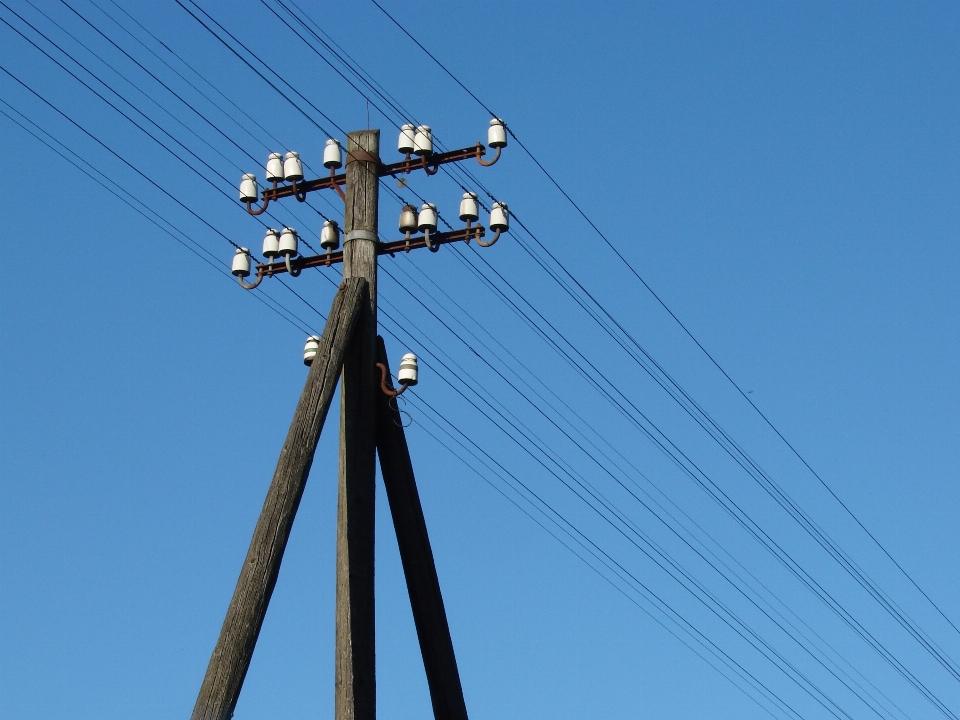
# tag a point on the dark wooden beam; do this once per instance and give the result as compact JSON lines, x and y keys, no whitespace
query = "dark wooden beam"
{"x":258,"y":576}
{"x":423,"y":585}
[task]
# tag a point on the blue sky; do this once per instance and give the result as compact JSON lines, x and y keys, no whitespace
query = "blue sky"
{"x":782,"y":175}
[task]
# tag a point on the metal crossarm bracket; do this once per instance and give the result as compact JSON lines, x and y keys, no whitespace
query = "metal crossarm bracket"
{"x":427,"y":163}
{"x":390,"y":248}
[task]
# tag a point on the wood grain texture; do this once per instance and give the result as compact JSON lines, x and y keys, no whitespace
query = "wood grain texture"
{"x":355,"y":691}
{"x":258,"y":576}
{"x":419,"y":568}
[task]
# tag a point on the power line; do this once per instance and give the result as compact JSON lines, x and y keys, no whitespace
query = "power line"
{"x":663,"y":304}
{"x":727,"y":443}
{"x":304,"y":301}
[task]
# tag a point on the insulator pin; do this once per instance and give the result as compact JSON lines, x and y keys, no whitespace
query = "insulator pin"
{"x":310,"y":350}
{"x":275,"y":168}
{"x":249,"y":192}
{"x":469,"y":212}
{"x":241,"y":263}
{"x":330,"y":236}
{"x":423,"y":141}
{"x":428,"y":218}
{"x":292,"y":167}
{"x":332,"y":156}
{"x":497,"y":134}
{"x":407,"y":374}
{"x":406,"y":142}
{"x":288,"y":242}
{"x":271,"y":244}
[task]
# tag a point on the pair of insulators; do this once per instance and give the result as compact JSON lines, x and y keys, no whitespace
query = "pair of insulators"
{"x":469,"y":212}
{"x":287,"y":168}
{"x":280,"y":243}
{"x":417,"y":140}
{"x":426,"y":220}
{"x":499,"y":215}
{"x":406,"y":375}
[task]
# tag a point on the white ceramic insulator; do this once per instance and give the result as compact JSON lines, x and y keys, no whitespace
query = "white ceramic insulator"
{"x":288,"y":242}
{"x":423,"y":140}
{"x":332,"y":157}
{"x":428,"y":217}
{"x":499,"y":217}
{"x":408,"y":219}
{"x":271,"y":244}
{"x":249,"y":192}
{"x":241,"y":263}
{"x":330,"y":236}
{"x":497,"y":134}
{"x":275,"y":168}
{"x":468,"y":207}
{"x":292,"y":167}
{"x":405,"y":144}
{"x":407,"y":374}
{"x":310,"y":350}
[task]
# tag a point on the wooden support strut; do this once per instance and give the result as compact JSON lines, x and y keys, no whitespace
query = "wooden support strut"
{"x":419,"y":568}
{"x":258,"y":576}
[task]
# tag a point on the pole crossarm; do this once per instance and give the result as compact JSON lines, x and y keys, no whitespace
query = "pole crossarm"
{"x":231,"y":656}
{"x":419,"y":569}
{"x":429,"y":163}
{"x":391,"y":248}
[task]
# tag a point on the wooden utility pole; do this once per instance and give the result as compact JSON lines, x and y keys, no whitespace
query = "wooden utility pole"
{"x":355,"y":685}
{"x":419,"y":569}
{"x":258,"y":576}
{"x":351,"y":349}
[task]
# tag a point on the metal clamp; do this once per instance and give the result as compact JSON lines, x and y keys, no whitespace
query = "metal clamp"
{"x":359,"y":235}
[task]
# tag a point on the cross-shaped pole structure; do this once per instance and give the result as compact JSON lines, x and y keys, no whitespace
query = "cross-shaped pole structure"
{"x":350,"y":349}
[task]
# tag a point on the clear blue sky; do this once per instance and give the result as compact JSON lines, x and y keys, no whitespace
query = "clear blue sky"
{"x":784,"y":175}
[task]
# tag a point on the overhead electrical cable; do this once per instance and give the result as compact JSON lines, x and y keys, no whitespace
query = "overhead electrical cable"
{"x":706,"y":422}
{"x":304,"y":301}
{"x":604,"y":468}
{"x":712,"y":603}
{"x":154,"y":218}
{"x":298,"y":296}
{"x":663,"y":304}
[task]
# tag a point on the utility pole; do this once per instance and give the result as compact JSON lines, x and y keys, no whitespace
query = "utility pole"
{"x":356,"y":686}
{"x":369,"y":425}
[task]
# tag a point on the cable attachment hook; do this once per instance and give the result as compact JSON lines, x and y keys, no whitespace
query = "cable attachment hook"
{"x":298,"y":192}
{"x":406,"y":376}
{"x":249,"y":191}
{"x":241,"y":269}
{"x":427,"y":223}
{"x":499,"y":223}
{"x":470,"y":213}
{"x":496,"y":138}
{"x":287,"y":246}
